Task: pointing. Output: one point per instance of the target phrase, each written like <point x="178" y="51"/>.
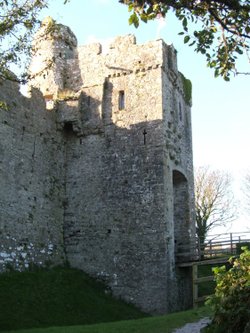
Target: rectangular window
<point x="121" y="102"/>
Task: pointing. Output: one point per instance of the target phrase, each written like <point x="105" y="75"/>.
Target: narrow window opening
<point x="68" y="129"/>
<point x="121" y="100"/>
<point x="180" y="112"/>
<point x="88" y="101"/>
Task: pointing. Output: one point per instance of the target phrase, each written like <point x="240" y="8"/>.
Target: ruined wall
<point x="31" y="182"/>
<point x="108" y="171"/>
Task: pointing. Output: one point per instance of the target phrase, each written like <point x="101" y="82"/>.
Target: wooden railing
<point x="217" y="250"/>
<point x="196" y="280"/>
<point x="226" y="245"/>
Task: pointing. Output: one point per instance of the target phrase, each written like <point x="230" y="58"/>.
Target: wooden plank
<point x="204" y="279"/>
<point x="195" y="285"/>
<point x="223" y="260"/>
<point x="213" y="261"/>
<point x="201" y="299"/>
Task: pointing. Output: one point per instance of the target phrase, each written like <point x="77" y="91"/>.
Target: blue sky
<point x="220" y="112"/>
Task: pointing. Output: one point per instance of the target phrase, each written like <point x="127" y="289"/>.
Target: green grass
<point x="68" y="301"/>
<point x="57" y="297"/>
<point x="162" y="324"/>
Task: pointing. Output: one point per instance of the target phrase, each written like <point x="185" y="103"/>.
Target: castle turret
<point x="53" y="45"/>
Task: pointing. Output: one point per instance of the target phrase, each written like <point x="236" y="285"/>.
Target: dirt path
<point x="193" y="327"/>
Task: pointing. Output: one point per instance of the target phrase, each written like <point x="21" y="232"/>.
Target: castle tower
<point x="52" y="46"/>
<point x="133" y="171"/>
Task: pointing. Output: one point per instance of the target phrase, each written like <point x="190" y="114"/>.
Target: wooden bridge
<point x="216" y="250"/>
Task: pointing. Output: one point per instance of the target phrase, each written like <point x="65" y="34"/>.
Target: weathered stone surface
<point x="31" y="182"/>
<point x="99" y="171"/>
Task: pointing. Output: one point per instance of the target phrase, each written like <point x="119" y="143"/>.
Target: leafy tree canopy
<point x="18" y="20"/>
<point x="220" y="29"/>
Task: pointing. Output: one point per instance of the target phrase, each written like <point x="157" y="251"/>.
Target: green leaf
<point x="144" y="17"/>
<point x="216" y="72"/>
<point x="238" y="50"/>
<point x="212" y="64"/>
<point x="191" y="44"/>
<point x="186" y="39"/>
<point x="134" y="20"/>
<point x="130" y="7"/>
<point x="184" y="22"/>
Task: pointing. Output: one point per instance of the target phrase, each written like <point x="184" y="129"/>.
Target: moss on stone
<point x="187" y="87"/>
<point x="4" y="106"/>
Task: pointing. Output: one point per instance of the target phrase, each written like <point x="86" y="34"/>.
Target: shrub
<point x="240" y="246"/>
<point x="231" y="302"/>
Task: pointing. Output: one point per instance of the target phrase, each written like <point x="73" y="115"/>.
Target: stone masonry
<point x="96" y="166"/>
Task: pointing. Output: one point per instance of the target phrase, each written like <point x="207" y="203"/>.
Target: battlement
<point x="58" y="63"/>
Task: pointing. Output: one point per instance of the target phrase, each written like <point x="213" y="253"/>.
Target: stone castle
<point x="96" y="166"/>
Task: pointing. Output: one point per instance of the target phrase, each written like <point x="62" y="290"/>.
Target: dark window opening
<point x="170" y="59"/>
<point x="89" y="100"/>
<point x="68" y="129"/>
<point x="121" y="100"/>
<point x="180" y="112"/>
<point x="181" y="210"/>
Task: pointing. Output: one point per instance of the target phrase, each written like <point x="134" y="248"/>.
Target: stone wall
<point x="31" y="182"/>
<point x="104" y="179"/>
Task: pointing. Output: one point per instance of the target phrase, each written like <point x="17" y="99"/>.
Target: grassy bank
<point x="57" y="297"/>
<point x="65" y="300"/>
<point x="162" y="324"/>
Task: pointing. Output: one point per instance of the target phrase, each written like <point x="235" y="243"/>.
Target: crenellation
<point x="96" y="166"/>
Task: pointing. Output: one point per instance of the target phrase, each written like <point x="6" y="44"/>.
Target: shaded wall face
<point x="178" y="152"/>
<point x="181" y="212"/>
<point x="31" y="183"/>
<point x="115" y="224"/>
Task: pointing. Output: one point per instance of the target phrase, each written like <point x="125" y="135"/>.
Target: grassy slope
<point x="162" y="324"/>
<point x="57" y="297"/>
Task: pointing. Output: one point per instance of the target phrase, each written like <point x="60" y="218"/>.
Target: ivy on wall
<point x="187" y="87"/>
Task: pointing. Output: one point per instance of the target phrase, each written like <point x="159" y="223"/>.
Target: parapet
<point x="59" y="64"/>
<point x="121" y="42"/>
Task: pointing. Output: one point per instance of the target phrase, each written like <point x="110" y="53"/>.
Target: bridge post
<point x="195" y="285"/>
<point x="231" y="242"/>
